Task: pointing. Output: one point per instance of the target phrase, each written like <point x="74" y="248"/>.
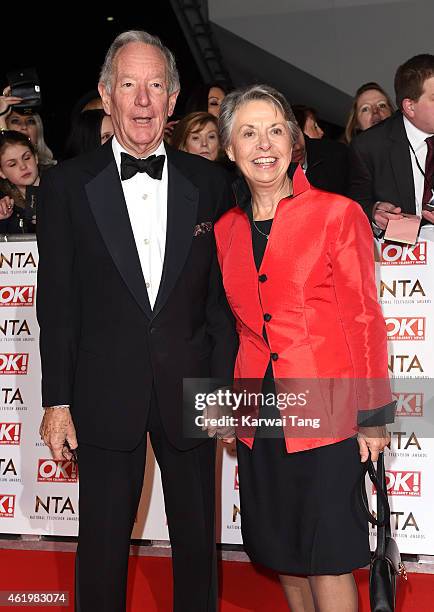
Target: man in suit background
<point x="324" y="162"/>
<point x="126" y="243"/>
<point x="392" y="163"/>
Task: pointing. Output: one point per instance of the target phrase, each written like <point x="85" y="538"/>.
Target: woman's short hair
<point x="239" y="97"/>
<point x="11" y="137"/>
<point x="132" y="36"/>
<point x="193" y="122"/>
<point x="411" y="76"/>
<point x="351" y="127"/>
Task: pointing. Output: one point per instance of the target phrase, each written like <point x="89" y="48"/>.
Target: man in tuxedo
<point x="325" y="162"/>
<point x="392" y="163"/>
<point x="130" y="302"/>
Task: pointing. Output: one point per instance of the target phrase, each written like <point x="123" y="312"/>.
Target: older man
<point x="130" y="302"/>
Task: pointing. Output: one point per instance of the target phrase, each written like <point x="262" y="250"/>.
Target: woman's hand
<point x="6" y="103"/>
<point x="6" y="207"/>
<point x="373" y="439"/>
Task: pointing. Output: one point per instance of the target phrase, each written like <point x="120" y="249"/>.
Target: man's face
<point x="421" y="112"/>
<point x="139" y="102"/>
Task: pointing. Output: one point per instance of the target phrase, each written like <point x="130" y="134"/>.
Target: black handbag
<point x="386" y="563"/>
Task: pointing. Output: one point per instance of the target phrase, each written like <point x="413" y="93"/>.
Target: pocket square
<point x="202" y="228"/>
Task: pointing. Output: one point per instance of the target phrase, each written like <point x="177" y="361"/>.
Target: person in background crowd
<point x="207" y="98"/>
<point x="19" y="173"/>
<point x="392" y="165"/>
<point x="307" y="120"/>
<point x="197" y="133"/>
<point x="371" y="105"/>
<point x="325" y="162"/>
<point x="90" y="129"/>
<point x="27" y="122"/>
<point x="298" y="271"/>
<point x="129" y="206"/>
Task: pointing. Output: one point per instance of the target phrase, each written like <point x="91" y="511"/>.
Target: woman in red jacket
<point x="298" y="270"/>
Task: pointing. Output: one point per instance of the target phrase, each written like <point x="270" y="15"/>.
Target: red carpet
<point x="242" y="589"/>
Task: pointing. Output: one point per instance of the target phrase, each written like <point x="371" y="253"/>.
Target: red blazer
<point x="317" y="283"/>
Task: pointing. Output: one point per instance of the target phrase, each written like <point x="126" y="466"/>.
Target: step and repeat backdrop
<point x="40" y="496"/>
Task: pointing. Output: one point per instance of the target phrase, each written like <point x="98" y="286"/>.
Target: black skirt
<point x="301" y="512"/>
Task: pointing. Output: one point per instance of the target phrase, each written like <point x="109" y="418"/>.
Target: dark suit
<point x="380" y="167"/>
<point x="120" y="365"/>
<point x="327" y="164"/>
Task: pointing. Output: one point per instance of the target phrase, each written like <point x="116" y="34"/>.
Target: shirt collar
<point x="118" y="149"/>
<point x="415" y="136"/>
<point x="295" y="172"/>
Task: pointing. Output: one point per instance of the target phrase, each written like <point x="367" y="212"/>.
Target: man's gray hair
<point x="131" y="36"/>
<point x="237" y="98"/>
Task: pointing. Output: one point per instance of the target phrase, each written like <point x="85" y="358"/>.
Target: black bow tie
<point x="152" y="165"/>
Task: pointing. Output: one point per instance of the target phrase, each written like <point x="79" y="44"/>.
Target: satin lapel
<point x="108" y="206"/>
<point x="401" y="165"/>
<point x="182" y="204"/>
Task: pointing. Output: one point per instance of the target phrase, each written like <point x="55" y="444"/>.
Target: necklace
<point x="258" y="230"/>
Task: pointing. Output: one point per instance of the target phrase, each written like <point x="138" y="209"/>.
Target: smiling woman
<point x="298" y="271"/>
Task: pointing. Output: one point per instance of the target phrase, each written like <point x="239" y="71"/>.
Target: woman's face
<point x="372" y="107"/>
<point x="19" y="166"/>
<point x="106" y="129"/>
<point x="26" y="124"/>
<point x="311" y="127"/>
<point x="204" y="142"/>
<point x="261" y="143"/>
<point x="215" y="98"/>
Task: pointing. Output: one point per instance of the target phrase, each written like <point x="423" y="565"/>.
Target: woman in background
<point x="90" y="129"/>
<point x="371" y="105"/>
<point x="20" y="176"/>
<point x="307" y="120"/>
<point x="28" y="123"/>
<point x="197" y="133"/>
<point x="207" y="98"/>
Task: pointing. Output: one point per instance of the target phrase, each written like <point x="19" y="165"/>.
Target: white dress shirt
<point x="417" y="139"/>
<point x="146" y="200"/>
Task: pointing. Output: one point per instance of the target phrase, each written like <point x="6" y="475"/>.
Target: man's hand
<point x="373" y="439"/>
<point x="6" y="207"/>
<point x="429" y="216"/>
<point x="383" y="212"/>
<point x="56" y="429"/>
<point x="213" y="413"/>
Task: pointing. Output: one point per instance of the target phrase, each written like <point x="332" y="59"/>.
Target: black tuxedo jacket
<point x="327" y="164"/>
<point x="103" y="350"/>
<point x="380" y="167"/>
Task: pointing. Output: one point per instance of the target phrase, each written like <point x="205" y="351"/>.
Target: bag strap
<point x="382" y="521"/>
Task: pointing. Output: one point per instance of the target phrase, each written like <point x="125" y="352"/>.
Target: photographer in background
<point x="20" y="179"/>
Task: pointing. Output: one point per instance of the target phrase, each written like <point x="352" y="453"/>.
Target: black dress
<point x="300" y="512"/>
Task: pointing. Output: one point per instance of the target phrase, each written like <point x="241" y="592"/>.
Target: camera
<point x="25" y="84"/>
